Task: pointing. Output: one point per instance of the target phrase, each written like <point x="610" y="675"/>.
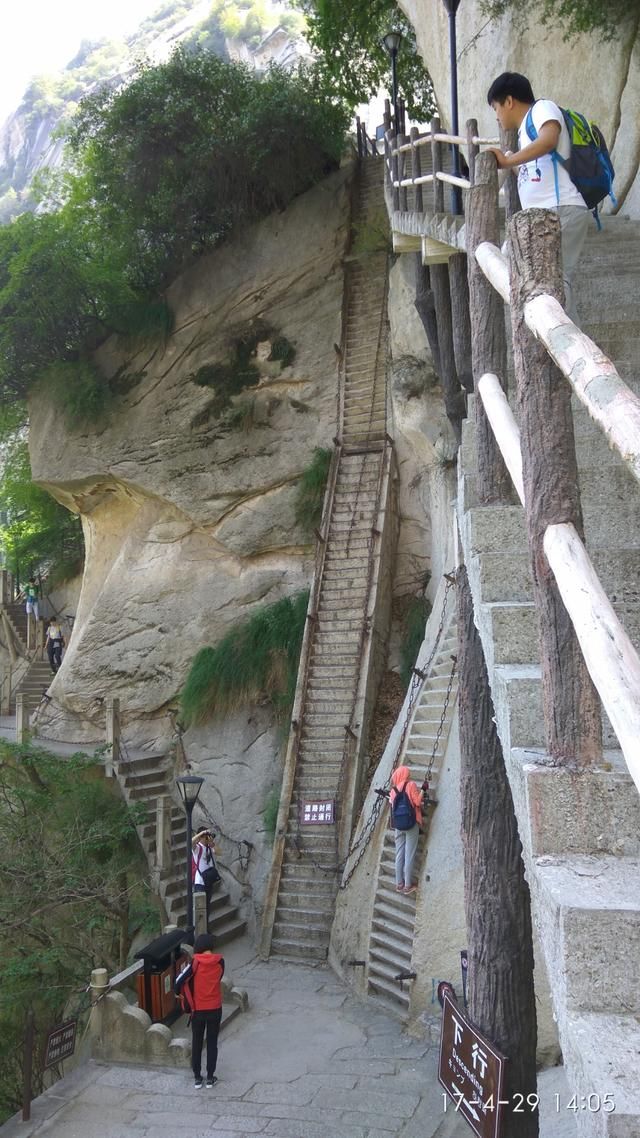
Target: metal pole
<point x="28" y="1065"/>
<point x="190" y="924"/>
<point x="456" y="192"/>
<point x="394" y="90"/>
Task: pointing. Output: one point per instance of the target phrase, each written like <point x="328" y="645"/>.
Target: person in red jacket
<point x="200" y="982"/>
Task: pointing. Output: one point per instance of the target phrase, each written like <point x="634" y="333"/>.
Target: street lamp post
<point x="189" y="786"/>
<point x="452" y="8"/>
<point x="392" y="42"/>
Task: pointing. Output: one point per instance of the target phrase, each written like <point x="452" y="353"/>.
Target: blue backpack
<point x="403" y="814"/>
<point x="589" y="165"/>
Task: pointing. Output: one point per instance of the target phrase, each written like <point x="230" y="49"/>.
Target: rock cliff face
<point x="601" y="80"/>
<point x="188" y="513"/>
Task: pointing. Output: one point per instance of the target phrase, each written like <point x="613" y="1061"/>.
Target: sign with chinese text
<point x="61" y="1043"/>
<point x="471" y="1071"/>
<point x="318" y="813"/>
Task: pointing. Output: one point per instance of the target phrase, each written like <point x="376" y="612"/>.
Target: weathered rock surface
<point x="600" y="79"/>
<point x="188" y="520"/>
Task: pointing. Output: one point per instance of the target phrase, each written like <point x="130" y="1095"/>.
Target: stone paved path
<point x="308" y="1061"/>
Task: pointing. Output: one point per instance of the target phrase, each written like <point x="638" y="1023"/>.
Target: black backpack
<point x="403" y="814"/>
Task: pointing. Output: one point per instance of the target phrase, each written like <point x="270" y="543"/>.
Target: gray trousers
<point x="574" y="225"/>
<point x="406" y="846"/>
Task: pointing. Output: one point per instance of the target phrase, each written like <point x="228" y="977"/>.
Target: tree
<point x="349" y="39"/>
<point x="607" y="18"/>
<point x="73" y="893"/>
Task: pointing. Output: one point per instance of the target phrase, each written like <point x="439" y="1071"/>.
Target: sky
<point x="43" y="35"/>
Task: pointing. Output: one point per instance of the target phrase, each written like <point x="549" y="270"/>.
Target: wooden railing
<point x="403" y="159"/>
<point x="543" y="469"/>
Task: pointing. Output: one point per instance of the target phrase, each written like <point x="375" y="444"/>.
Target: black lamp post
<point x="452" y="8"/>
<point x="392" y="42"/>
<point x="189" y="786"/>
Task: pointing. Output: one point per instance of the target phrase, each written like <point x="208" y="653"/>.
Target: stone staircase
<point x="37" y="677"/>
<point x="143" y="780"/>
<point x="306" y="878"/>
<point x="580" y="833"/>
<point x="393" y="921"/>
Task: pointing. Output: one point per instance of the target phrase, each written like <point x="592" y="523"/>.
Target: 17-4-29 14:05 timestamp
<point x="520" y="1104"/>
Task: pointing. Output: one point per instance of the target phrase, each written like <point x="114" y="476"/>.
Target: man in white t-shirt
<point x="543" y="183"/>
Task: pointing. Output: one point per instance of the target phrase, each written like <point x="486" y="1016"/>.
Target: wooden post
<point x="200" y="913"/>
<point x="460" y="318"/>
<point x="436" y="160"/>
<point x="426" y="309"/>
<point x="386" y="118"/>
<point x="358" y="136"/>
<point x="509" y="141"/>
<point x="416" y="169"/>
<point x="454" y="401"/>
<point x="550" y="475"/>
<point x="27" y="1071"/>
<point x="98" y="987"/>
<point x="497" y="901"/>
<point x="163" y="832"/>
<point x="488" y="339"/>
<point x="112" y="754"/>
<point x="403" y="171"/>
<point x="30" y="631"/>
<point x="8" y="631"/>
<point x="395" y="192"/>
<point x="21" y="718"/>
<point x="5" y="599"/>
<point x="473" y="149"/>
<point x="5" y="692"/>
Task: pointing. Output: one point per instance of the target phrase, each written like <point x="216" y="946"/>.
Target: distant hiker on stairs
<point x="31" y="599"/>
<point x="54" y="645"/>
<point x="406" y="818"/>
<point x="204" y="871"/>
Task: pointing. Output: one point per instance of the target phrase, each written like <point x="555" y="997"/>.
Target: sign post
<point x="61" y="1043"/>
<point x="471" y="1071"/>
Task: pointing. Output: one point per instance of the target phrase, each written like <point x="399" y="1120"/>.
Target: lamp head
<point x="451" y="6"/>
<point x="392" y="42"/>
<point x="189" y="786"/>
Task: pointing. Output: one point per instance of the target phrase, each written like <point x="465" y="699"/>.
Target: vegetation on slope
<point x="256" y="661"/>
<point x="607" y="18"/>
<point x="311" y="490"/>
<point x="73" y="894"/>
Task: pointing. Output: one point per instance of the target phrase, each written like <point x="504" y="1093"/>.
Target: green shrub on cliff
<point x="607" y="18"/>
<point x="256" y="660"/>
<point x="311" y="490"/>
<point x="163" y="170"/>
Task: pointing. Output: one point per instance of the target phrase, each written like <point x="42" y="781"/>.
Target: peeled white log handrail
<point x="594" y="378"/>
<point x="504" y="427"/>
<point x="612" y="661"/>
<point x="454" y="139"/>
<point x="453" y="180"/>
<point x="495" y="267"/>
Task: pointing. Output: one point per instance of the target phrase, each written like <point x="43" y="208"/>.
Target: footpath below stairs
<point x="309" y="1060"/>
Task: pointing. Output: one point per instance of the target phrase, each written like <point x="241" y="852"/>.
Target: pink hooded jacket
<point x="401" y="778"/>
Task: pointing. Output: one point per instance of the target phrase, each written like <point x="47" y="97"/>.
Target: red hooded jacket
<point x="208" y="970"/>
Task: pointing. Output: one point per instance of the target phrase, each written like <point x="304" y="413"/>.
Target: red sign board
<point x="61" y="1043"/>
<point x="471" y="1071"/>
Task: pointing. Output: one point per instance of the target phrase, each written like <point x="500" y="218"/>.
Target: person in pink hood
<point x="406" y="818"/>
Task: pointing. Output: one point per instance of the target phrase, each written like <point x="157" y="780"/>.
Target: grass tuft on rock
<point x="311" y="490"/>
<point x="256" y="661"/>
<point x="413" y="629"/>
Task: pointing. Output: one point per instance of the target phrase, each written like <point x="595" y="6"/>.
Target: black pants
<point x="201" y="1021"/>
<point x="54" y="652"/>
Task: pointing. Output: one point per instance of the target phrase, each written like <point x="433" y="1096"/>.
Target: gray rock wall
<point x="600" y="79"/>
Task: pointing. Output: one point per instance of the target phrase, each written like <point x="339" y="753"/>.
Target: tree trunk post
<point x="403" y="171"/>
<point x="550" y="473"/>
<point x="496" y="894"/>
<point x="393" y="171"/>
<point x="461" y="321"/>
<point x="163" y="832"/>
<point x="112" y="753"/>
<point x="509" y="141"/>
<point x="436" y="161"/>
<point x="416" y="170"/>
<point x="98" y="986"/>
<point x="386" y="118"/>
<point x="5" y="691"/>
<point x="425" y="307"/>
<point x="21" y="718"/>
<point x="454" y="401"/>
<point x="200" y="913"/>
<point x="488" y="339"/>
<point x="473" y="149"/>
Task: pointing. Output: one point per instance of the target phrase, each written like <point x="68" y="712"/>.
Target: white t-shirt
<point x="536" y="179"/>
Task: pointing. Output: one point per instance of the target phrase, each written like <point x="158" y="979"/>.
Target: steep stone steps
<point x="307" y="879"/>
<point x="392" y="927"/>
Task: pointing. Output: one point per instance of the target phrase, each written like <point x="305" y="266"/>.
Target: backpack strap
<point x="532" y="134"/>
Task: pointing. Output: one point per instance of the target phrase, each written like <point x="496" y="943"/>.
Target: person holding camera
<point x="204" y="871"/>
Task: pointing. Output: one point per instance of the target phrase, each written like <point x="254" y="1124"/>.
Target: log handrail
<point x="612" y="660"/>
